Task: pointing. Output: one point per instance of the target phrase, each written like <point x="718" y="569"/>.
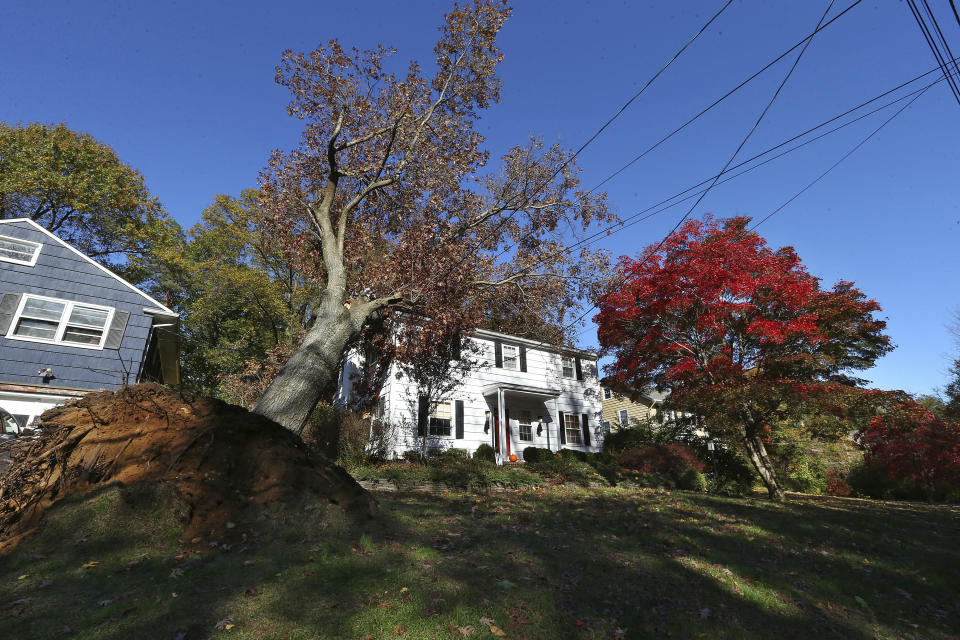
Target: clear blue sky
<point x="184" y="92"/>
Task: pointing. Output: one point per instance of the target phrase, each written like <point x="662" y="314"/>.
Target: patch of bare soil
<point x="220" y="458"/>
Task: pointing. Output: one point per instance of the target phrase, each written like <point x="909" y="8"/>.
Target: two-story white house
<point x="522" y="394"/>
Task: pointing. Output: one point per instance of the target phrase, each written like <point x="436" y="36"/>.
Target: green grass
<point x="560" y="562"/>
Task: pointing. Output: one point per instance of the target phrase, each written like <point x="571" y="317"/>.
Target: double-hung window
<point x="511" y="358"/>
<point x="607" y="393"/>
<point x="569" y="368"/>
<point x="441" y="419"/>
<point x="19" y="251"/>
<point x="41" y="319"/>
<point x="571" y="423"/>
<point x="525" y="424"/>
<point x="624" y="418"/>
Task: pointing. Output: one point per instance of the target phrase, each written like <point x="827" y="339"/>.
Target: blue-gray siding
<point x="61" y="273"/>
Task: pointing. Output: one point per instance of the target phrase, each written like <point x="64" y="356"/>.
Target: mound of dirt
<point x="221" y="459"/>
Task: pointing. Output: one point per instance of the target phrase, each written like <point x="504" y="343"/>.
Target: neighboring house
<point x="620" y="411"/>
<point x="69" y="326"/>
<point x="522" y="394"/>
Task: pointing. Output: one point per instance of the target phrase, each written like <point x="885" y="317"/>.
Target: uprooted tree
<point x="742" y="336"/>
<point x="387" y="202"/>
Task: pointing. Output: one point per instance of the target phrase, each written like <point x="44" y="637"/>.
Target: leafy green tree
<point x="245" y="304"/>
<point x="77" y="187"/>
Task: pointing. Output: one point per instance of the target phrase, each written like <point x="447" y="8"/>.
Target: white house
<point x="523" y="394"/>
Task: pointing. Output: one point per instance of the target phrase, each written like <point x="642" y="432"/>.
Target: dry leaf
<point x="466" y="632"/>
<point x="486" y="621"/>
<point x="400" y="629"/>
<point x="91" y="564"/>
<point x="497" y="631"/>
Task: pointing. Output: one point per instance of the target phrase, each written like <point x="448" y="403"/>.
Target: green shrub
<point x="616" y="442"/>
<point x="536" y="454"/>
<point x="807" y="476"/>
<point x="485" y="452"/>
<point x="871" y="481"/>
<point x="573" y="454"/>
<point x="412" y="455"/>
<point x="455" y="455"/>
<point x="693" y="480"/>
<point x="567" y="469"/>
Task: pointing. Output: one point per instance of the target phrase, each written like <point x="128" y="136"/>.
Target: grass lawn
<point x="534" y="563"/>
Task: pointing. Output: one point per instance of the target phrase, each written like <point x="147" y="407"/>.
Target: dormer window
<point x="19" y="251"/>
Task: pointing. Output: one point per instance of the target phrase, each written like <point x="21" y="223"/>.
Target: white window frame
<point x="64" y="321"/>
<point x="433" y="416"/>
<point x="574" y="433"/>
<point x="607" y="393"/>
<point x="623" y="417"/>
<point x="29" y="263"/>
<point x="573" y="367"/>
<point x="515" y="357"/>
<point x="606" y="426"/>
<point x="525" y="423"/>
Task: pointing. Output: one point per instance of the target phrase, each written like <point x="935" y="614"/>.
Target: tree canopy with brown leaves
<point x="389" y="204"/>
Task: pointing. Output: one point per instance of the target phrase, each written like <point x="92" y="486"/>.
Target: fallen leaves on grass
<point x="400" y="629"/>
<point x="91" y="564"/>
<point x="497" y="631"/>
<point x="225" y="625"/>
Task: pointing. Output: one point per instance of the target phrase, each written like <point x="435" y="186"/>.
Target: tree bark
<point x="296" y="390"/>
<point x="761" y="461"/>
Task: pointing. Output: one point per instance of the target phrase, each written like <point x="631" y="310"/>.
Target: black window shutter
<point x="586" y="429"/>
<point x="459" y="418"/>
<point x="422" y="416"/>
<point x="456" y="351"/>
<point x="562" y="430"/>
<point x="117" y="327"/>
<point x="498" y="354"/>
<point x="523" y="358"/>
<point x="8" y="308"/>
<point x="576" y="362"/>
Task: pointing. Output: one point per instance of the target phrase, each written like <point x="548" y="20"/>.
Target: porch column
<point x="501" y="426"/>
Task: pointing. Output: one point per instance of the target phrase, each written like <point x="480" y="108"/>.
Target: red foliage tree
<point x="388" y="205"/>
<point x="914" y="446"/>
<point x="741" y="335"/>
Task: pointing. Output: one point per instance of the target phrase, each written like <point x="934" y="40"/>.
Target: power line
<point x="943" y="39"/>
<point x="803" y="42"/>
<point x="728" y="163"/>
<point x="842" y="158"/>
<point x="934" y="48"/>
<point x="620" y="226"/>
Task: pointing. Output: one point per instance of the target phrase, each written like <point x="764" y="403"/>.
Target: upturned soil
<point x="220" y="459"/>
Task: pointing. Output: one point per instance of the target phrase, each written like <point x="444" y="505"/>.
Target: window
<point x="571" y="423"/>
<point x="569" y="369"/>
<point x="60" y="321"/>
<point x="440" y="420"/>
<point x="526" y="426"/>
<point x="19" y="251"/>
<point x="510" y="357"/>
<point x="607" y="394"/>
<point x="624" y="418"/>
<point x="606" y="426"/>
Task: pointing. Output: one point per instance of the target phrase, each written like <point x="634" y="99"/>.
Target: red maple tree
<point x="913" y="445"/>
<point x="742" y="335"/>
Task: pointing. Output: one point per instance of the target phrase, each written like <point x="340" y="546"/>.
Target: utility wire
<point x="956" y="14"/>
<point x="943" y="40"/>
<point x="933" y="47"/>
<point x="803" y="42"/>
<point x="617" y="227"/>
<point x="725" y="167"/>
<point x="842" y="158"/>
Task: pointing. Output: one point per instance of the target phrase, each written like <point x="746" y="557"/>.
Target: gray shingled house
<point x="69" y="326"/>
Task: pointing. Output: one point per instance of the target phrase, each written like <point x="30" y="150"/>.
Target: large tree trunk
<point x="761" y="461"/>
<point x="294" y="393"/>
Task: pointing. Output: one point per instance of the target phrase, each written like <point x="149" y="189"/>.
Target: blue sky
<point x="184" y="92"/>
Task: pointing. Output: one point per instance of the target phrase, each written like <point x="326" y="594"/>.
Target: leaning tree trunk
<point x="294" y="393"/>
<point x="761" y="461"/>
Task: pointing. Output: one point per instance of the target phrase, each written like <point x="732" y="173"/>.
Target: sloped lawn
<point x="537" y="563"/>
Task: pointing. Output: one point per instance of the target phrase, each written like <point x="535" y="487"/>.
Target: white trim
<point x="623" y="417"/>
<point x="69" y="305"/>
<point x="515" y="357"/>
<point x="487" y="334"/>
<point x="28" y="263"/>
<point x="573" y="367"/>
<point x="164" y="308"/>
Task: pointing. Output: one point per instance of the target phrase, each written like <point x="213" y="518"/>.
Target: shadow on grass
<point x="544" y="563"/>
